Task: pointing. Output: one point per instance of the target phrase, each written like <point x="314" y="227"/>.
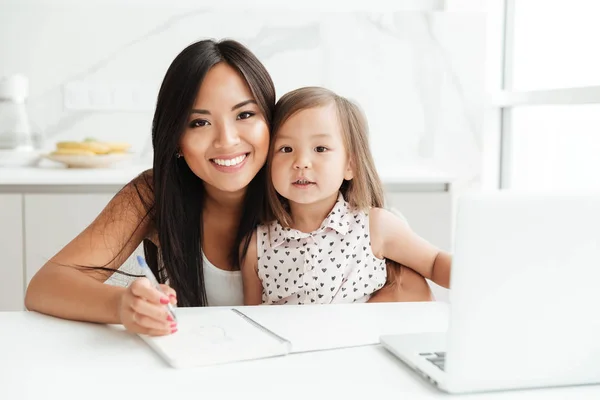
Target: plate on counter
<point x="89" y="161"/>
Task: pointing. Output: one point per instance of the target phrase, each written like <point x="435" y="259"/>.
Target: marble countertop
<point x="69" y="176"/>
<point x="118" y="176"/>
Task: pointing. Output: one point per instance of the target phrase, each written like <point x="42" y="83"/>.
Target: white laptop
<point x="524" y="299"/>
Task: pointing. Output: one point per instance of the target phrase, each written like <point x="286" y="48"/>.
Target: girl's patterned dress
<point x="334" y="264"/>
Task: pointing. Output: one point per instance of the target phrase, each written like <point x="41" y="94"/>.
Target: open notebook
<point x="209" y="335"/>
<point x="216" y="336"/>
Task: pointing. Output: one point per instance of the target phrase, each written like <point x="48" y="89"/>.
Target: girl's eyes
<point x="288" y="149"/>
<point x="199" y="123"/>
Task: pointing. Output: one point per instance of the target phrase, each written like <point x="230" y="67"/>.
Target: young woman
<point x="210" y="135"/>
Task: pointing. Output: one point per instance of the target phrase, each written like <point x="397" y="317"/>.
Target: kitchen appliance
<point x="19" y="140"/>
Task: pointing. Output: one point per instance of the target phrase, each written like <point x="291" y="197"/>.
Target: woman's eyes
<point x="245" y="115"/>
<point x="320" y="149"/>
<point x="285" y="149"/>
<point x="199" y="123"/>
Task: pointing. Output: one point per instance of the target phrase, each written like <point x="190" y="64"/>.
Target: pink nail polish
<point x="174" y="325"/>
<point x="164" y="300"/>
<point x="174" y="330"/>
<point x="169" y="318"/>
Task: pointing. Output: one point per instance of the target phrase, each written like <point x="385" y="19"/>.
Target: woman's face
<point x="226" y="140"/>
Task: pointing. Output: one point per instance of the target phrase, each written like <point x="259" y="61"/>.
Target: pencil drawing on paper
<point x="210" y="334"/>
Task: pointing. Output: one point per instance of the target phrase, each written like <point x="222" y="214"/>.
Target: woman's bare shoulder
<point x="139" y="191"/>
<point x="136" y="198"/>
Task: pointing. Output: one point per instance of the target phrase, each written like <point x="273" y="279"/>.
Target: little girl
<point x="328" y="236"/>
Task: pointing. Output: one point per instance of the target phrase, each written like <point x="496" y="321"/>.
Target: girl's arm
<point x="403" y="284"/>
<point x="252" y="284"/>
<point x="64" y="289"/>
<point x="392" y="238"/>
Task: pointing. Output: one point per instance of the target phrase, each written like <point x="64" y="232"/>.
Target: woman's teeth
<point x="231" y="162"/>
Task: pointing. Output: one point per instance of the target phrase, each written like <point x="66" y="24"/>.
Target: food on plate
<point x="90" y="147"/>
<point x="73" y="151"/>
<point x="117" y="147"/>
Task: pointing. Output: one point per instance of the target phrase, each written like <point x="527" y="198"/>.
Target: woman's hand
<point x="142" y="309"/>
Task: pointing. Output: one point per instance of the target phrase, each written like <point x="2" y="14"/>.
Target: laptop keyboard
<point x="436" y="358"/>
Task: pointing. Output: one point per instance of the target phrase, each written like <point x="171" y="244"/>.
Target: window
<point x="555" y="44"/>
<point x="548" y="99"/>
<point x="556" y="146"/>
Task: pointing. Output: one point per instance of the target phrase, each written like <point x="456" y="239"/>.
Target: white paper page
<point x="214" y="336"/>
<point x="321" y="327"/>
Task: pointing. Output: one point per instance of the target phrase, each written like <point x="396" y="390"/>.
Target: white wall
<point x="417" y="74"/>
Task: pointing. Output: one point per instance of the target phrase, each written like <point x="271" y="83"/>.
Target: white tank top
<point x="223" y="288"/>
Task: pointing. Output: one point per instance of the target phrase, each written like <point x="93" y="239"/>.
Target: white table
<point x="43" y="357"/>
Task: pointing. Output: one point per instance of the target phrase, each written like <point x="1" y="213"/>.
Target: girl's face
<point x="310" y="161"/>
<point x="226" y="139"/>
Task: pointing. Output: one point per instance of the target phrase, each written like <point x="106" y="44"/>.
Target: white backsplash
<point x="418" y="75"/>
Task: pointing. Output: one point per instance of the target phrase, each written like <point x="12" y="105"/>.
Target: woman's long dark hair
<point x="178" y="194"/>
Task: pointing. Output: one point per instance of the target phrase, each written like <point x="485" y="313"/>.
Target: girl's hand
<point x="142" y="309"/>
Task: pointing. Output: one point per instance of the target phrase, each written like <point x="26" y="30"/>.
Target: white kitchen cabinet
<point x="429" y="214"/>
<point x="53" y="220"/>
<point x="11" y="249"/>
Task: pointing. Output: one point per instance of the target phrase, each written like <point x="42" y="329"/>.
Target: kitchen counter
<point x="72" y="180"/>
<point x="61" y="179"/>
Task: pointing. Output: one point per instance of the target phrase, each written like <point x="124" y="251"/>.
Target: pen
<point x="154" y="282"/>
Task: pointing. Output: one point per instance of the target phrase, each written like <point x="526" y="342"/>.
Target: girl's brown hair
<point x="365" y="189"/>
